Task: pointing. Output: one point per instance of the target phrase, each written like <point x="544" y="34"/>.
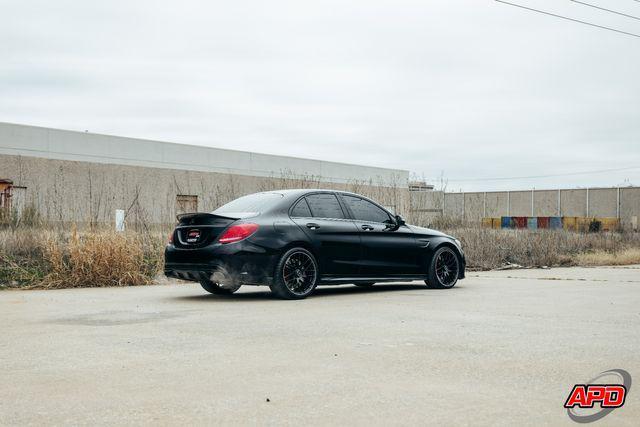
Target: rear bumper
<point x="236" y="263"/>
<point x="189" y="271"/>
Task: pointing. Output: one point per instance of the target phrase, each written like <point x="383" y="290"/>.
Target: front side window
<point x="325" y="206"/>
<point x="364" y="210"/>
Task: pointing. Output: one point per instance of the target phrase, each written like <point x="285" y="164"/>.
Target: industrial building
<point x="83" y="177"/>
<point x="67" y="176"/>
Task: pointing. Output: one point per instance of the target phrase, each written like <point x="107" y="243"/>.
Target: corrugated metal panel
<point x="532" y="223"/>
<point x="521" y="221"/>
<point x="506" y="222"/>
<point x="491" y="222"/>
<point x="543" y="222"/>
<point x="609" y="224"/>
<point x="582" y="223"/>
<point x="555" y="223"/>
<point x="569" y="223"/>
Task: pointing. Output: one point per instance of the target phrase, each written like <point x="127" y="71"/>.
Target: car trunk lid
<point x="196" y="230"/>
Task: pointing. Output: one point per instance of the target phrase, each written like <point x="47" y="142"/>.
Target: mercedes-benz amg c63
<point x="295" y="240"/>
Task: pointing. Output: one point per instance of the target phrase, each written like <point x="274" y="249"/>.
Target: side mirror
<point x="399" y="221"/>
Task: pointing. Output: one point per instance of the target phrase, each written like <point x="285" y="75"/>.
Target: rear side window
<point x="301" y="209"/>
<point x="325" y="206"/>
<point x="364" y="210"/>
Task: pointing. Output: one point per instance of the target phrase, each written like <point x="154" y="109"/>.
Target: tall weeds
<point x="487" y="249"/>
<point x="97" y="259"/>
<point x="59" y="259"/>
<point x="38" y="257"/>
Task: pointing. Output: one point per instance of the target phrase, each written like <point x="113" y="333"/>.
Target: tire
<point x="215" y="288"/>
<point x="444" y="269"/>
<point x="296" y="274"/>
<point x="365" y="284"/>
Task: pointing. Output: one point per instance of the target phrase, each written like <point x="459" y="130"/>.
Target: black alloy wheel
<point x="296" y="274"/>
<point x="444" y="269"/>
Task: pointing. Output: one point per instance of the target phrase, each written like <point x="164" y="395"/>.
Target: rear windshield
<point x="251" y="204"/>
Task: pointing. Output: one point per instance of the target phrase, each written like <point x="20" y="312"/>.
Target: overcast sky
<point x="468" y="90"/>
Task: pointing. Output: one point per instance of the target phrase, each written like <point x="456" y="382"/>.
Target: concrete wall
<point x="594" y="202"/>
<point x="603" y="202"/>
<point x="496" y="203"/>
<point x="82" y="177"/>
<point x="72" y="191"/>
<point x="545" y="203"/>
<point x="473" y="206"/>
<point x="629" y="205"/>
<point x="520" y="203"/>
<point x="75" y="176"/>
<point x="573" y="203"/>
<point x="454" y="205"/>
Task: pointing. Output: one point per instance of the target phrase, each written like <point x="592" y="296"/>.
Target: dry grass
<point x="41" y="258"/>
<point x="627" y="256"/>
<point x="21" y="257"/>
<point x="97" y="259"/>
<point x="37" y="257"/>
<point x="487" y="249"/>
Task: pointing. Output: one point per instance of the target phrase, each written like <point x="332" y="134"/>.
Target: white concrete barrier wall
<point x="613" y="202"/>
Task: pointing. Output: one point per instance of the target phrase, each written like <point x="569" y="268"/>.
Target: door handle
<point x="313" y="226"/>
<point x="367" y="227"/>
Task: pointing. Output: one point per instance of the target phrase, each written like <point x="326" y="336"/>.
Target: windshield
<point x="251" y="204"/>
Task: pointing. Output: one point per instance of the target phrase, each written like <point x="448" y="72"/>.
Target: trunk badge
<point x="193" y="236"/>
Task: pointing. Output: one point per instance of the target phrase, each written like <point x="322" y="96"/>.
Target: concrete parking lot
<point x="505" y="347"/>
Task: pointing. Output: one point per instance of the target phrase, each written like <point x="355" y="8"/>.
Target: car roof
<point x="292" y="193"/>
<point x="300" y="191"/>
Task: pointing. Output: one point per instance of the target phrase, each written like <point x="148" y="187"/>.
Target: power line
<point x="543" y="176"/>
<point x="569" y="19"/>
<point x="605" y="9"/>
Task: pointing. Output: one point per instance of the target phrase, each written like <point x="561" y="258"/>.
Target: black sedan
<point x="294" y="240"/>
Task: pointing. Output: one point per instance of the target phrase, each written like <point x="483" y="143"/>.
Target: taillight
<point x="235" y="233"/>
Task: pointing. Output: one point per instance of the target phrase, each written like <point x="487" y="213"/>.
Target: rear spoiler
<point x="192" y="215"/>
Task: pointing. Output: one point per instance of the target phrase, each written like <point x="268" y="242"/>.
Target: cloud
<point x="462" y="88"/>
